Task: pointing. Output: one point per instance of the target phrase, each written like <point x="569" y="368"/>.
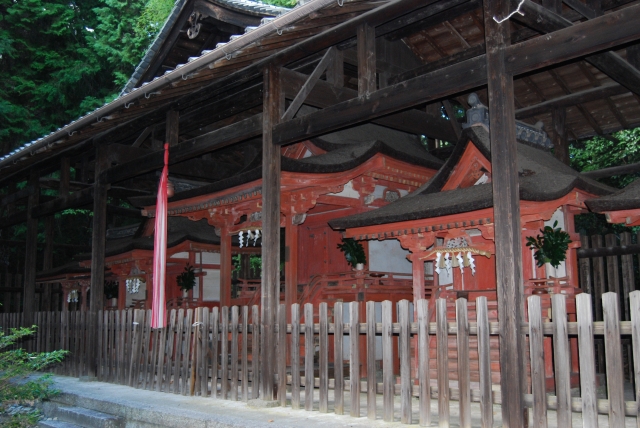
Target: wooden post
<point x="270" y="290"/>
<point x="47" y="263"/>
<point x="506" y="210"/>
<point x="97" y="258"/>
<point x="560" y="143"/>
<point x="225" y="266"/>
<point x="366" y="60"/>
<point x="172" y="128"/>
<point x="31" y="251"/>
<point x="290" y="263"/>
<point x="417" y="272"/>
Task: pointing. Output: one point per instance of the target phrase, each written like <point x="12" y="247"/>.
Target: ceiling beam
<point x="411" y="121"/>
<point x="572" y="99"/>
<point x="610" y="63"/>
<point x="562" y="45"/>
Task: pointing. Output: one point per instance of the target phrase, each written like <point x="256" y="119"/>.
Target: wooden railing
<point x="213" y="353"/>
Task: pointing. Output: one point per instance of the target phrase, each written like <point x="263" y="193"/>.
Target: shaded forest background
<point x="61" y="59"/>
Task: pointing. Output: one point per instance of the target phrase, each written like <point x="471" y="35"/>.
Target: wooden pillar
<point x="122" y="293"/>
<point x="272" y="110"/>
<point x="506" y="207"/>
<point x="560" y="143"/>
<point x="225" y="266"/>
<point x="172" y="128"/>
<point x="366" y="60"/>
<point x="47" y="263"/>
<point x="291" y="264"/>
<point x="31" y="251"/>
<point x="417" y="271"/>
<point x="98" y="241"/>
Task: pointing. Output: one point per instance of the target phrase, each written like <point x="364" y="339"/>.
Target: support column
<point x="417" y="274"/>
<point x="225" y="266"/>
<point x="560" y="143"/>
<point x="122" y="293"/>
<point x="272" y="110"/>
<point x="31" y="251"/>
<point x="506" y="207"/>
<point x="48" y="261"/>
<point x="366" y="60"/>
<point x="290" y="263"/>
<point x="98" y="241"/>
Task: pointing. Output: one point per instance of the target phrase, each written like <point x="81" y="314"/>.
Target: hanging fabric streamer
<point x="158" y="305"/>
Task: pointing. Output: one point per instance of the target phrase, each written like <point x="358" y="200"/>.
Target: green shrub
<point x="17" y="385"/>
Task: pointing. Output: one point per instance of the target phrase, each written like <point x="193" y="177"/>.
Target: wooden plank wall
<point x="213" y="353"/>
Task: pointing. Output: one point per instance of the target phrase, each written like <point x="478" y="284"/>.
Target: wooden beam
<point x="572" y="99"/>
<point x="506" y="208"/>
<point x="124" y="212"/>
<point x="295" y="105"/>
<point x="13" y="219"/>
<point x="411" y="121"/>
<point x="142" y="137"/>
<point x="31" y="252"/>
<point x="239" y="131"/>
<point x="366" y="59"/>
<point x="579" y="7"/>
<point x="17" y="196"/>
<point x="610" y="63"/>
<point x="435" y="14"/>
<point x="270" y="290"/>
<point x="98" y="242"/>
<point x="563" y="45"/>
<point x="73" y="200"/>
<point x="614" y="170"/>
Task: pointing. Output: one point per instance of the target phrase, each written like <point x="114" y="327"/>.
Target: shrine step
<point x="87" y="417"/>
<point x="51" y="423"/>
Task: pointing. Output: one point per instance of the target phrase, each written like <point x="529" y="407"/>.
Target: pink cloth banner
<point x="159" y="304"/>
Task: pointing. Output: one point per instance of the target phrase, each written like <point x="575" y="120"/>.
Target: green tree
<point x="599" y="152"/>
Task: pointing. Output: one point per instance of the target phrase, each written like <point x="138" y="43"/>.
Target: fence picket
<point x="536" y="355"/>
<point x="443" y="362"/>
<point x="153" y="361"/>
<point x="404" y="353"/>
<point x="354" y="359"/>
<point x="234" y="353"/>
<point x="324" y="359"/>
<point x="635" y="339"/>
<point x="224" y="352"/>
<point x="484" y="362"/>
<point x="371" y="360"/>
<point x="613" y="355"/>
<point x="121" y="319"/>
<point x="295" y="356"/>
<point x="144" y="370"/>
<point x="178" y="351"/>
<point x="464" y="382"/>
<point x="111" y="351"/>
<point x="338" y="360"/>
<point x="388" y="378"/>
<point x="171" y="327"/>
<point x="135" y="347"/>
<point x="308" y="357"/>
<point x="282" y="354"/>
<point x="215" y="338"/>
<point x="587" y="361"/>
<point x="244" y="368"/>
<point x="255" y="349"/>
<point x="561" y="359"/>
<point x="187" y="345"/>
<point x="423" y="366"/>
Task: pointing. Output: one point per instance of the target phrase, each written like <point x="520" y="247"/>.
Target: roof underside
<point x="228" y="88"/>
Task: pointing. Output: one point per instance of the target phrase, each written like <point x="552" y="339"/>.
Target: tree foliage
<point x="599" y="152"/>
<point x="60" y="59"/>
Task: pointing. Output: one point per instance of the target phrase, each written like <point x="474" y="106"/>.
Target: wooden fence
<point x="215" y="353"/>
<point x="615" y="273"/>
